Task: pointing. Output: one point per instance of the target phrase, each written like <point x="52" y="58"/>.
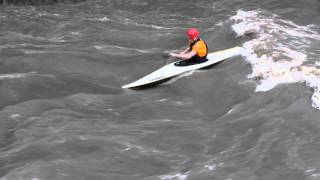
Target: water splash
<point x="280" y="52"/>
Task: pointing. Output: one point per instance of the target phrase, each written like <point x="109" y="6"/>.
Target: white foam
<point x="316" y="100"/>
<point x="103" y="19"/>
<point x="210" y="167"/>
<point x="22" y="75"/>
<point x="13" y="76"/>
<point x="178" y="176"/>
<point x="112" y="49"/>
<point x="279" y="51"/>
<point x="57" y="39"/>
<point x="153" y="26"/>
<point x="243" y="28"/>
<point x="34" y="52"/>
<point x="15" y="116"/>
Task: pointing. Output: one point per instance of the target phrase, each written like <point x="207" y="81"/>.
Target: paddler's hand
<point x="173" y="54"/>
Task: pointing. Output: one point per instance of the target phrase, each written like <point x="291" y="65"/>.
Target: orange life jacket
<point x="201" y="48"/>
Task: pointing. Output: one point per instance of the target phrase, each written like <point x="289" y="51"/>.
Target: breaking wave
<point x="280" y="51"/>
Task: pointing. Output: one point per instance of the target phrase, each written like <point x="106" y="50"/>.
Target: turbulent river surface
<point x="64" y="115"/>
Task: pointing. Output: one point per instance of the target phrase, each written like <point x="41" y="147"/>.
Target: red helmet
<point x="192" y="33"/>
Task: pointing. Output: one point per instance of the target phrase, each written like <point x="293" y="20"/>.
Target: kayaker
<point x="195" y="53"/>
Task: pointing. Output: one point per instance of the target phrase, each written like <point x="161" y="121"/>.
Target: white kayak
<point x="170" y="70"/>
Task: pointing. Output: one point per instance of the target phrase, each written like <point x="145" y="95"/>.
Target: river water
<point x="64" y="114"/>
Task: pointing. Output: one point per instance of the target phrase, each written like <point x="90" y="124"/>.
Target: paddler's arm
<point x="184" y="55"/>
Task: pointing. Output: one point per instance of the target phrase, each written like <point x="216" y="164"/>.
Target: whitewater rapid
<point x="280" y="51"/>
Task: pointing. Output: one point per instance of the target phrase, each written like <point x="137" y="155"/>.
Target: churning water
<point x="252" y="117"/>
